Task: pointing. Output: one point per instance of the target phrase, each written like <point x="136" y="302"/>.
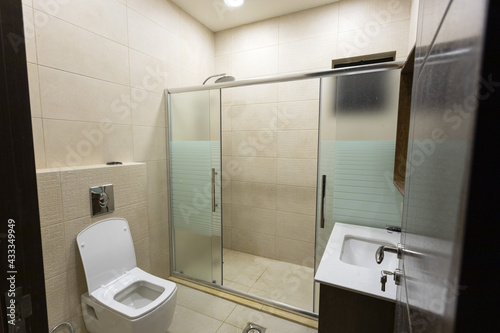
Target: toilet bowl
<point x="121" y="297"/>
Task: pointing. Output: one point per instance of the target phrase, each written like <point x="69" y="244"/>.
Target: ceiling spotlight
<point x="234" y="3"/>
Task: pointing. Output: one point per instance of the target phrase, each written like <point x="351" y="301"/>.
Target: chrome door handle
<point x="213" y="190"/>
<point x="323" y="188"/>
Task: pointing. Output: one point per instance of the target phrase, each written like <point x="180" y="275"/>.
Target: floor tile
<point x="204" y="303"/>
<point x="187" y="321"/>
<point x="244" y="268"/>
<point x="242" y="315"/>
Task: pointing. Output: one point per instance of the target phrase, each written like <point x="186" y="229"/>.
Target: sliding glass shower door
<point x="195" y="196"/>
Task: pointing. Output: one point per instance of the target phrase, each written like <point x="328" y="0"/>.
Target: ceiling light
<point x="234" y="3"/>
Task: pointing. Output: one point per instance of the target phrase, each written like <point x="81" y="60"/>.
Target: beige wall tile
<point x="142" y="254"/>
<point x="34" y="87"/>
<point x="267" y="93"/>
<point x="298" y="90"/>
<point x="49" y="198"/>
<point x="256" y="35"/>
<point x="158" y="209"/>
<point x="298" y="115"/>
<point x="296" y="199"/>
<point x="255" y="143"/>
<point x="75" y="143"/>
<point x="137" y="218"/>
<point x="227" y="242"/>
<point x="224" y="42"/>
<point x="294" y="251"/>
<point x="227" y="215"/>
<point x="258" y="220"/>
<point x="296" y="226"/>
<point x="223" y="64"/>
<point x="254" y="194"/>
<point x="148" y="108"/>
<point x="255" y="169"/>
<point x="77" y="285"/>
<point x="149" y="143"/>
<point x="308" y="54"/>
<point x="364" y="14"/>
<point x="151" y="38"/>
<point x="227" y="143"/>
<point x="254" y="116"/>
<point x="29" y="34"/>
<point x="298" y="172"/>
<point x="75" y="97"/>
<point x="151" y="74"/>
<point x="158" y="240"/>
<point x="160" y="266"/>
<point x="72" y="229"/>
<point x="38" y="143"/>
<point x="57" y="299"/>
<point x="258" y="244"/>
<point x="309" y="23"/>
<point x="164" y="13"/>
<point x="54" y="255"/>
<point x="255" y="63"/>
<point x="105" y="18"/>
<point x="389" y="37"/>
<point x="299" y="144"/>
<point x="64" y="46"/>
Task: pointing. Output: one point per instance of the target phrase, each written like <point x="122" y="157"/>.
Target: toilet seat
<point x="106" y="294"/>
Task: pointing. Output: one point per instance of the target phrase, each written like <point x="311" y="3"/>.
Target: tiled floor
<point x="276" y="280"/>
<point x="197" y="311"/>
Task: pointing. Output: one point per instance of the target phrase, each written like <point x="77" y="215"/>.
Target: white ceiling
<point x="217" y="16"/>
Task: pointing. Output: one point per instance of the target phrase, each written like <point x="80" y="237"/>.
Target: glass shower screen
<point x="195" y="168"/>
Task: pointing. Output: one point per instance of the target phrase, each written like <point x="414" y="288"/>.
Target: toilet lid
<point x="107" y="251"/>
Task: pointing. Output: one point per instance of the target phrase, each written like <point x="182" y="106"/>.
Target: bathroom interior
<point x="230" y="187"/>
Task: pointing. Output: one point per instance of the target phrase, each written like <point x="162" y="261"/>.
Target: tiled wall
<point x="65" y="212"/>
<point x="97" y="70"/>
<point x="269" y="205"/>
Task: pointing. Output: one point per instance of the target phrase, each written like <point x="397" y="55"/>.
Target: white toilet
<point x="121" y="297"/>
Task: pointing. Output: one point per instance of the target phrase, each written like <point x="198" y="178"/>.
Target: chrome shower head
<point x="223" y="78"/>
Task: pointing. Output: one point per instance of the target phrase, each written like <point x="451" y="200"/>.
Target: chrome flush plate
<point x="102" y="200"/>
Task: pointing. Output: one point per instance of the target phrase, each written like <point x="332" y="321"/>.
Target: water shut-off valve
<point x="396" y="275"/>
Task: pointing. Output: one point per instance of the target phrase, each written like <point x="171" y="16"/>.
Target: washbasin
<point x="349" y="260"/>
<point x="360" y="251"/>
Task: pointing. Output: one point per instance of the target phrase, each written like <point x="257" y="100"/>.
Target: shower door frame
<point x="362" y="69"/>
<point x="216" y="241"/>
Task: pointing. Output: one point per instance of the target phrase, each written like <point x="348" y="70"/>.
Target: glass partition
<point x="195" y="199"/>
<point x="357" y="137"/>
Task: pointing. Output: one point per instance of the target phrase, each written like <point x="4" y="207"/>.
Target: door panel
<point x="194" y="124"/>
<point x="442" y="123"/>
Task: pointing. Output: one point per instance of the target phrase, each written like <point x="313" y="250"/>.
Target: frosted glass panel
<point x="358" y="122"/>
<point x="194" y="153"/>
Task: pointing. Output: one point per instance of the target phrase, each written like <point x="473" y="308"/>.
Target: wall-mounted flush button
<point x="102" y="200"/>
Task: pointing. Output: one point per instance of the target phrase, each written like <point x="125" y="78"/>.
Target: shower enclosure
<point x="261" y="169"/>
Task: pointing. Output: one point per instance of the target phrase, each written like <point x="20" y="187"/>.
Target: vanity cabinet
<point x="344" y="311"/>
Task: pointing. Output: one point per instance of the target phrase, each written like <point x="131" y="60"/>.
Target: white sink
<point x="349" y="260"/>
<point x="361" y="252"/>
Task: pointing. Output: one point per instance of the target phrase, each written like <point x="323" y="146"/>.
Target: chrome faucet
<point x="379" y="255"/>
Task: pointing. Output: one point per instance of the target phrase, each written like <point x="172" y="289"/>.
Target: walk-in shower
<point x="261" y="169"/>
